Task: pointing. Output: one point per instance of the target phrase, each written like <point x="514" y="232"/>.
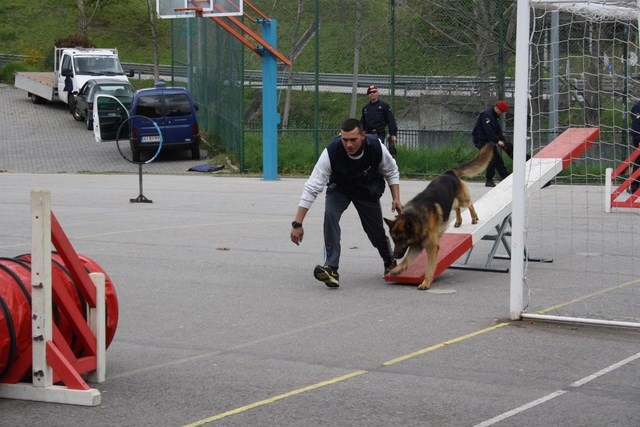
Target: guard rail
<point x="401" y="83"/>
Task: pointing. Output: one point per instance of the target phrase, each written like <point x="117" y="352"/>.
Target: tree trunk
<point x="297" y="46"/>
<point x="486" y="57"/>
<point x="84" y="20"/>
<point x="356" y="58"/>
<point x="287" y="101"/>
<point x="154" y="39"/>
<point x="592" y="80"/>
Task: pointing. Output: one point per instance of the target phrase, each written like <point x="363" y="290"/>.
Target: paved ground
<point x="222" y="323"/>
<point x="46" y="139"/>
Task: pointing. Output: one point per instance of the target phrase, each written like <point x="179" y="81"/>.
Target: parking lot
<point x="46" y="139"/>
<point x="222" y="323"/>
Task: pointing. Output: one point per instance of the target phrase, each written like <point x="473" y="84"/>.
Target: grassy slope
<point x="27" y="29"/>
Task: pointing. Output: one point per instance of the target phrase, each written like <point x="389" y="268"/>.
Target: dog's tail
<point x="477" y="164"/>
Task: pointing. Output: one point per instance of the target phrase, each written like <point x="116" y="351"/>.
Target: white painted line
<point x="605" y="370"/>
<point x="522" y="408"/>
<point x="555" y="394"/>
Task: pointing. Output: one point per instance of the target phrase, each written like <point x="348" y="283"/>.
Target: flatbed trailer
<point x="40" y="86"/>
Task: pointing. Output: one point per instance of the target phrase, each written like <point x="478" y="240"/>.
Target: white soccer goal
<point x="576" y="66"/>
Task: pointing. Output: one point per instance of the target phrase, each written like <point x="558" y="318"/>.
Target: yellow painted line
<point x="339" y="379"/>
<point x="582" y="298"/>
<point x="275" y="398"/>
<point x="443" y="344"/>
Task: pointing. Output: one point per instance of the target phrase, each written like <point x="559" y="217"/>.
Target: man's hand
<point x="501" y="144"/>
<point x="296" y="235"/>
<point x="396" y="207"/>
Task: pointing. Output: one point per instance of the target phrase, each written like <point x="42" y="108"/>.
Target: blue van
<point x="170" y="108"/>
<point x="173" y="110"/>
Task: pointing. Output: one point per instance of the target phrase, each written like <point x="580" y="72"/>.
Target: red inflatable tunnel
<point x="15" y="306"/>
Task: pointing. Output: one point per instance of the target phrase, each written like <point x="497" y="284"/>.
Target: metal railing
<point x="4" y="58"/>
<point x="444" y="84"/>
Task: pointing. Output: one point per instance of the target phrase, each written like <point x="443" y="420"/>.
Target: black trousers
<point x="370" y="214"/>
<point x="496" y="164"/>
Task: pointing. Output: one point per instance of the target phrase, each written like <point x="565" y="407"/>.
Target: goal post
<point x="577" y="67"/>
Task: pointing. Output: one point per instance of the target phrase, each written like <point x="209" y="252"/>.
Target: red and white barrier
<point x="617" y="198"/>
<point x="46" y="363"/>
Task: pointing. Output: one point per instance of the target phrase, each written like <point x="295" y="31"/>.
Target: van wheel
<point x="89" y="123"/>
<point x="37" y="99"/>
<point x="195" y="153"/>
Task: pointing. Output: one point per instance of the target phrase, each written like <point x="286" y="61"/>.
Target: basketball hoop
<point x="169" y="9"/>
<point x="198" y="11"/>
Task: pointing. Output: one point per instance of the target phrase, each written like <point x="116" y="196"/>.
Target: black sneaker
<point x="327" y="274"/>
<point x="490" y="183"/>
<point x="390" y="266"/>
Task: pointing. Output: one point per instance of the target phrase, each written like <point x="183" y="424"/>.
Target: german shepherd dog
<point x="424" y="219"/>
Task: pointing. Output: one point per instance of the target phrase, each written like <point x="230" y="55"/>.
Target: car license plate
<point x="151" y="138"/>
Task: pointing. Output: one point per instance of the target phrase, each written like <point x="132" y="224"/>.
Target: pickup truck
<point x="72" y="68"/>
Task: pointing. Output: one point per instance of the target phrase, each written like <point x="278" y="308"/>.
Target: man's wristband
<point x="296" y="224"/>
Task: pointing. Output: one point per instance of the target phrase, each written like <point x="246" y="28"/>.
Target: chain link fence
<point x="438" y="64"/>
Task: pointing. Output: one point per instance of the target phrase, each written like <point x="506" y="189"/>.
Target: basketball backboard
<point x="168" y="9"/>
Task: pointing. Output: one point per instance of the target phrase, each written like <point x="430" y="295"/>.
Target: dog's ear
<point x="389" y="222"/>
<point x="409" y="226"/>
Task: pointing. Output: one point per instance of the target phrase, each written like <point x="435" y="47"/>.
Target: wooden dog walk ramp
<point x="495" y="206"/>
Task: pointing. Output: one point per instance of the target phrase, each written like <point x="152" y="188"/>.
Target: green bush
<point x="9" y="69"/>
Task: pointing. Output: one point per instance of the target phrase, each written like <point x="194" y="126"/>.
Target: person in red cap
<point x="376" y="116"/>
<point x="487" y="129"/>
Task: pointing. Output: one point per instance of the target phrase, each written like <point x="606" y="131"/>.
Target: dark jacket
<point x="360" y="179"/>
<point x="376" y="116"/>
<point x="487" y="128"/>
<point x="635" y="123"/>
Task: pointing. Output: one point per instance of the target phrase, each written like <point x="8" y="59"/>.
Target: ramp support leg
<point x="502" y="232"/>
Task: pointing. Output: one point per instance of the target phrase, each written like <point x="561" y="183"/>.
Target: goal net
<point x="583" y="72"/>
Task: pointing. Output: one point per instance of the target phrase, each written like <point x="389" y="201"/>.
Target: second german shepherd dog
<point x="424" y="219"/>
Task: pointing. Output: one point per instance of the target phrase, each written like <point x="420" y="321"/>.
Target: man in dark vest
<point x="354" y="168"/>
<point x="377" y="116"/>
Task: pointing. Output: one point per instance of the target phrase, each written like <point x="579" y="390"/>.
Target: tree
<point x="461" y="28"/>
<point x="87" y="10"/>
<point x="154" y="39"/>
<point x="297" y="46"/>
<point x="356" y="58"/>
<point x="85" y="18"/>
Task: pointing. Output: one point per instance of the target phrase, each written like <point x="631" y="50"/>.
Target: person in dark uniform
<point x="635" y="141"/>
<point x="71" y="99"/>
<point x="376" y="116"/>
<point x="487" y="129"/>
<point x="353" y="168"/>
